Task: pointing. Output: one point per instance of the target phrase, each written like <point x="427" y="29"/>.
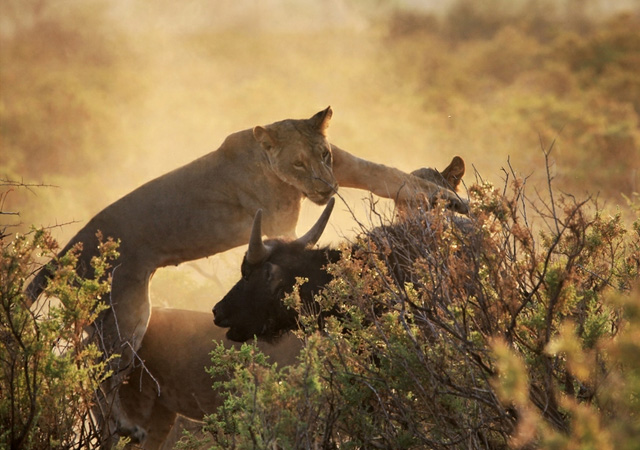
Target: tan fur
<point x="207" y="207"/>
<point x="175" y="351"/>
<point x="450" y="177"/>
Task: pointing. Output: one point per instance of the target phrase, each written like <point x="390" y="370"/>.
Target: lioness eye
<point x="298" y="165"/>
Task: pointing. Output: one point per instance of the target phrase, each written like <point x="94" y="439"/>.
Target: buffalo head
<point x="254" y="307"/>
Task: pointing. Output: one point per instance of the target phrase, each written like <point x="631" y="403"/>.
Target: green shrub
<point x="48" y="373"/>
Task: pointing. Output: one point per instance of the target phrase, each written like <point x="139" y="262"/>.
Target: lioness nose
<point x="326" y="189"/>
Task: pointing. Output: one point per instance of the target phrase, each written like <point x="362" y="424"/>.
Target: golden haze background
<point x="98" y="97"/>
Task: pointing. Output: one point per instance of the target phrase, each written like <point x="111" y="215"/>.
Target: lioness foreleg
<point x="119" y="331"/>
<point x="388" y="182"/>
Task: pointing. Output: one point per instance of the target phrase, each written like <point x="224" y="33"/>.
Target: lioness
<point x="175" y="349"/>
<point x="208" y="205"/>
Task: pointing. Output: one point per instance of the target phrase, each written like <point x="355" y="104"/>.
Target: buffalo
<point x="271" y="269"/>
<point x="253" y="306"/>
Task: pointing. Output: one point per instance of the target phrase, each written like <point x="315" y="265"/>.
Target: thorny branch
<point x="8" y="186"/>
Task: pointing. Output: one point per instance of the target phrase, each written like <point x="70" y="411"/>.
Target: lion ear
<point x="454" y="172"/>
<point x="264" y="137"/>
<point x="321" y="120"/>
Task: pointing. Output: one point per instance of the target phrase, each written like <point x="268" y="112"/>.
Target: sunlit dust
<point x="99" y="96"/>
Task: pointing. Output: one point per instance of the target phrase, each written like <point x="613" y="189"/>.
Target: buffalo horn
<point x="312" y="236"/>
<point x="257" y="251"/>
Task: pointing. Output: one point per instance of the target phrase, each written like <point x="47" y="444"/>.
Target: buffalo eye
<point x="326" y="156"/>
<point x="245" y="271"/>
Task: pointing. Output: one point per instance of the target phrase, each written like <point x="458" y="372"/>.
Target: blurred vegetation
<point x="529" y="70"/>
<point x="83" y="84"/>
<point x="505" y="334"/>
<point x="59" y="76"/>
<point x="99" y="97"/>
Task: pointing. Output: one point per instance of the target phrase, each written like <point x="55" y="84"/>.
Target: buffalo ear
<point x="320" y="121"/>
<point x="454" y="172"/>
<point x="274" y="276"/>
<point x="265" y="137"/>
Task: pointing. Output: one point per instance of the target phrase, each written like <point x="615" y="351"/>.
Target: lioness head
<point x="449" y="177"/>
<point x="300" y="155"/>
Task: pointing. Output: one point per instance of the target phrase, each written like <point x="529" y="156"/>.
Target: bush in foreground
<point x="517" y="329"/>
<point x="48" y="373"/>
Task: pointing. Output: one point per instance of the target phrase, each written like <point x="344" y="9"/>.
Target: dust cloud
<point x="99" y="97"/>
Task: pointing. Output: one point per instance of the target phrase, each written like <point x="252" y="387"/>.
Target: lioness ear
<point x="321" y="120"/>
<point x="264" y="137"/>
<point x="454" y="172"/>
